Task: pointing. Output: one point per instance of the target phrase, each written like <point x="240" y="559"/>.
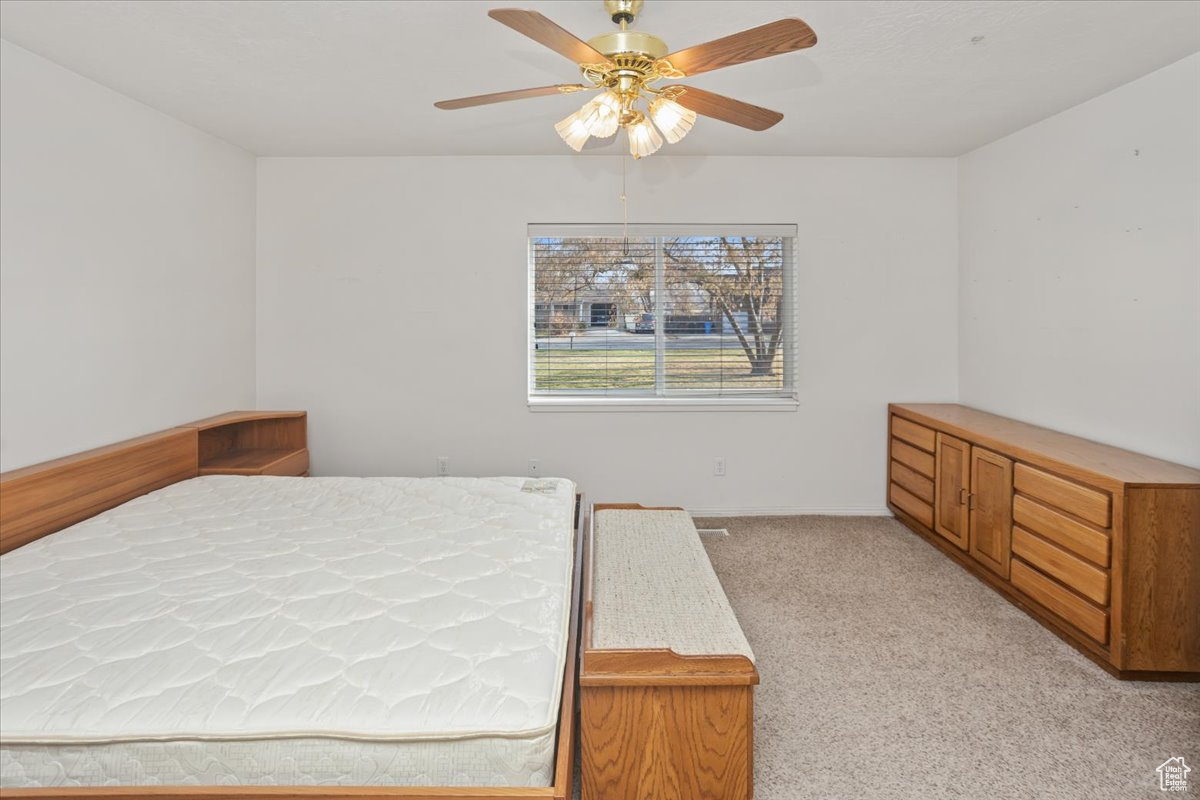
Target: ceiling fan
<point x="624" y="64"/>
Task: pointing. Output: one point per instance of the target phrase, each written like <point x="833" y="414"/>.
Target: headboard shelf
<point x="236" y="417"/>
<point x="281" y="461"/>
<point x="253" y="443"/>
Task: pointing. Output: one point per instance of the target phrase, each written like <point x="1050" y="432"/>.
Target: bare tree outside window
<point x="742" y="278"/>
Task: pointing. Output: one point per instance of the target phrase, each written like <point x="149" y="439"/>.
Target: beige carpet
<point x="889" y="672"/>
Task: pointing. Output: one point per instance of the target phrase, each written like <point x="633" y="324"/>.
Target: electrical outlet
<point x="535" y="467"/>
<point x="443" y="466"/>
<point x="719" y="466"/>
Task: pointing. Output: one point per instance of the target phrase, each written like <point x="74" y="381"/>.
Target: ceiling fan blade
<point x="772" y="39"/>
<point x="726" y="109"/>
<point x="503" y="97"/>
<point x="545" y="32"/>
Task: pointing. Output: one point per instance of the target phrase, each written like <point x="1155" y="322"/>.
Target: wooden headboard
<point x="44" y="498"/>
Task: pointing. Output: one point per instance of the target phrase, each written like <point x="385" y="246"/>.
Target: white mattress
<point x="292" y="630"/>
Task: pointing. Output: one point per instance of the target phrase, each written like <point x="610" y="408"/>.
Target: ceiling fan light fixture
<point x="624" y="65"/>
<point x="672" y="119"/>
<point x="573" y="131"/>
<point x="644" y="138"/>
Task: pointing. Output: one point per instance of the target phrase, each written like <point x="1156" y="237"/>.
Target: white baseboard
<point x="791" y="511"/>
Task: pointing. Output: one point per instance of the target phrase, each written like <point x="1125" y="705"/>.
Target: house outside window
<point x="662" y="316"/>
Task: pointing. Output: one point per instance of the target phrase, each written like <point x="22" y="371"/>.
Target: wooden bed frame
<point x="44" y="498"/>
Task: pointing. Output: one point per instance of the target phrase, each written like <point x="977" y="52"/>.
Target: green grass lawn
<point x="634" y="369"/>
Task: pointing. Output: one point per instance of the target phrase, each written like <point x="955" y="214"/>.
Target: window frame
<point x="787" y="399"/>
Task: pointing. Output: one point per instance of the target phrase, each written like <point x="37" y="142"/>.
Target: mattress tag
<point x="542" y="486"/>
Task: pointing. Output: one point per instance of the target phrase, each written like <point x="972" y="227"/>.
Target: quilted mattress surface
<point x="379" y="610"/>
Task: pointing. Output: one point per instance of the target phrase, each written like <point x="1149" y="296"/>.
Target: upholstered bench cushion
<point x="654" y="587"/>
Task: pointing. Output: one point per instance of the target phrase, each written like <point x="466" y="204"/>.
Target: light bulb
<point x="673" y="119"/>
<point x="602" y="115"/>
<point x="573" y="131"/>
<point x="643" y="138"/>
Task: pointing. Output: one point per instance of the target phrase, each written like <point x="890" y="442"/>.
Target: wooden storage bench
<point x="667" y="677"/>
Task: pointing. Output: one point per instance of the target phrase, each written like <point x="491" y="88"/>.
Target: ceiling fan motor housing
<point x="634" y="43"/>
<point x="633" y="54"/>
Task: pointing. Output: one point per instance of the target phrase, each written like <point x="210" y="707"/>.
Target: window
<point x="665" y="316"/>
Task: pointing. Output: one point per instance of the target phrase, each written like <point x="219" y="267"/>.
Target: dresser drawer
<point x="1076" y="537"/>
<point x="1061" y="601"/>
<point x="913" y="481"/>
<point x="913" y="433"/>
<point x="1084" y="502"/>
<point x="907" y="502"/>
<point x="910" y="456"/>
<point x="1089" y="581"/>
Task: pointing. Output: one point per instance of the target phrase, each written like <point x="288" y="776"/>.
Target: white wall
<point x="1080" y="269"/>
<point x="1053" y="276"/>
<point x="362" y="260"/>
<point x="127" y="293"/>
<point x="126" y="266"/>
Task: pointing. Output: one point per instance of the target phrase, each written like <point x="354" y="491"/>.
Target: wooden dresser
<point x="1099" y="544"/>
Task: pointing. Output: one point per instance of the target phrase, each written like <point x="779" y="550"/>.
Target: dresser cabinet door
<point x="953" y="477"/>
<point x="991" y="510"/>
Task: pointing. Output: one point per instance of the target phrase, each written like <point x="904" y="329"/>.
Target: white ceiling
<point x="359" y="78"/>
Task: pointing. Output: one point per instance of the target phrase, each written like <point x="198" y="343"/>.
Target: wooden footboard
<point x="316" y="792"/>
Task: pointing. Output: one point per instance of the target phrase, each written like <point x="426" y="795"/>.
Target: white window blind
<point x="663" y="312"/>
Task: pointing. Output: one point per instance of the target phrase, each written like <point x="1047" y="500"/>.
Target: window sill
<point x="568" y="404"/>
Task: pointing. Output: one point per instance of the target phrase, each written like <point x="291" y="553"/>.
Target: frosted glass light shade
<point x="573" y="131"/>
<point x="672" y="119"/>
<point x="602" y="115"/>
<point x="643" y="138"/>
<point x="599" y="117"/>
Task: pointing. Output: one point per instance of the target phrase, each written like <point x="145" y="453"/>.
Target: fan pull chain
<point x="624" y="211"/>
